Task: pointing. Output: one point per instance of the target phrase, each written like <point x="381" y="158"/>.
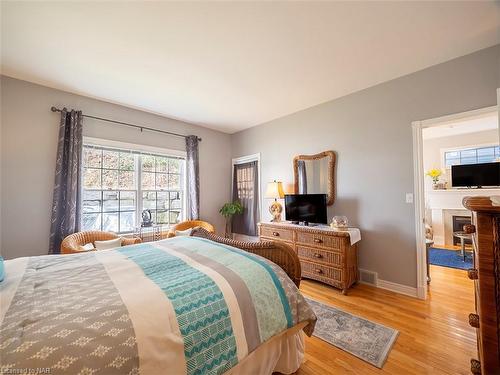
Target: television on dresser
<point x="476" y="175"/>
<point x="306" y="208"/>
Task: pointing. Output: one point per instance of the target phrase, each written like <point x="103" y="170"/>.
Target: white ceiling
<point x="233" y="65"/>
<point x="473" y="124"/>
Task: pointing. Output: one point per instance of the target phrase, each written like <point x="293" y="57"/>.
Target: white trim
<point x="133" y="146"/>
<point x="418" y="182"/>
<point x="246" y="159"/>
<point x="397" y="288"/>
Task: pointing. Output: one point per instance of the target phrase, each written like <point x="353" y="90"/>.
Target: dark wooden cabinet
<point x="485" y="228"/>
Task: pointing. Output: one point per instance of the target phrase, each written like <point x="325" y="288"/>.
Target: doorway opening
<point x="442" y="146"/>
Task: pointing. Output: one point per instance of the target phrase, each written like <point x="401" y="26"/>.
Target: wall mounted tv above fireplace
<point x="476" y="175"/>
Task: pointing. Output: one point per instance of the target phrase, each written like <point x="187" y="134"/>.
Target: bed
<point x="185" y="305"/>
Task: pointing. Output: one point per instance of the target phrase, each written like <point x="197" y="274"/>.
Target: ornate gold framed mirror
<point x="315" y="174"/>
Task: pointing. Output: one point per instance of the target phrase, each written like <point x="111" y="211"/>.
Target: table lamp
<point x="275" y="191"/>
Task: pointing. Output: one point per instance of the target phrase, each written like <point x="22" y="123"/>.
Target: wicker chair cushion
<point x="108" y="244"/>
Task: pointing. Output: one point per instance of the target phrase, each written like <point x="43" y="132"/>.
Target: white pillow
<point x="109" y="244"/>
<point x="186" y="232"/>
<point x="88" y="247"/>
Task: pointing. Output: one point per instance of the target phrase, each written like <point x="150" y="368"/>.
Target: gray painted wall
<point x="371" y="132"/>
<point x="28" y="150"/>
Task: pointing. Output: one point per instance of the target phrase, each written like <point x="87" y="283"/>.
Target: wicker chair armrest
<point x="171" y="233"/>
<point x="275" y="251"/>
<point x="131" y="241"/>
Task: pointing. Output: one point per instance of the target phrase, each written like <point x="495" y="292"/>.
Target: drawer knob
<point x="276" y="234"/>
<point x="318" y="240"/>
<point x="318" y="270"/>
<point x="474" y="320"/>
<point x="318" y="255"/>
<point x="469" y="228"/>
<point x="472" y="273"/>
<point x="475" y="367"/>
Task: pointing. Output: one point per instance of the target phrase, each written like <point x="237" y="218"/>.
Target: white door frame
<point x="247" y="159"/>
<point x="418" y="179"/>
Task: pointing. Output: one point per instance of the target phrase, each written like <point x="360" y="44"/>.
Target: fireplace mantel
<point x="442" y="205"/>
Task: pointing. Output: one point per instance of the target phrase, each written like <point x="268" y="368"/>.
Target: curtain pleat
<point x="193" y="178"/>
<point x="246" y="191"/>
<point x="66" y="201"/>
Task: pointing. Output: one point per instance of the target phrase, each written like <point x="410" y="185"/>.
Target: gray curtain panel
<point x="246" y="190"/>
<point x="302" y="176"/>
<point x="66" y="204"/>
<point x="193" y="178"/>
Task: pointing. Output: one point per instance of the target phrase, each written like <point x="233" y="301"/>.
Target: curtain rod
<point x="141" y="128"/>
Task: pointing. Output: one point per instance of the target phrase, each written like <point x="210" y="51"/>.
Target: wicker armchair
<point x="190" y="224"/>
<point x="74" y="242"/>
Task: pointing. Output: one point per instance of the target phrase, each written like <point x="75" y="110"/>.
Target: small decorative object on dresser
<point x="485" y="229"/>
<point x="275" y="191"/>
<point x="325" y="255"/>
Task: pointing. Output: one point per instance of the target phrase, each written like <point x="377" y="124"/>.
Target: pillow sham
<point x="109" y="244"/>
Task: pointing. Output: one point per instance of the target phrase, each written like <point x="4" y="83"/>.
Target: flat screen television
<point x="475" y="175"/>
<point x="310" y="208"/>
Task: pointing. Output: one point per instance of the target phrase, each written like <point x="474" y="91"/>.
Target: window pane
<point x="161" y="181"/>
<point x="174" y="166"/>
<point x="161" y="164"/>
<point x="175" y="199"/>
<point x="149" y="200"/>
<point x="162" y="203"/>
<point x="126" y="180"/>
<point x="110" y="159"/>
<point x="148" y="181"/>
<point x="148" y="163"/>
<point x="451" y="154"/>
<point x="91" y="178"/>
<point x="110" y="222"/>
<point x="468" y="160"/>
<point x="486" y="159"/>
<point x="109" y="201"/>
<point x="468" y="153"/>
<point x="109" y="179"/>
<point x="91" y="157"/>
<point x="127" y="201"/>
<point x="174" y="182"/>
<point x="91" y="201"/>
<point x="126" y="161"/>
<point x="486" y="151"/>
<point x="91" y="221"/>
<point x="174" y="217"/>
<point x="162" y="217"/>
<point x="127" y="221"/>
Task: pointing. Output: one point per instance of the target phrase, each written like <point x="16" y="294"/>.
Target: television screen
<point x="475" y="175"/>
<point x="309" y="208"/>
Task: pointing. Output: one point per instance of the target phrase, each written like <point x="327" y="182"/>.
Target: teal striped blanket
<point x="183" y="305"/>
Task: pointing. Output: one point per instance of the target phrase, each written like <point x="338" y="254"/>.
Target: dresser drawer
<point x="320" y="240"/>
<point x="317" y="255"/>
<point x="277" y="233"/>
<point x="315" y="270"/>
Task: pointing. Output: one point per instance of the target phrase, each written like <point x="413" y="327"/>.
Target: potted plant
<point x="228" y="211"/>
<point x="435" y="174"/>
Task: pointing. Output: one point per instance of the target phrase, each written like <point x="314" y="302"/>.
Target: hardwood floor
<point x="434" y="335"/>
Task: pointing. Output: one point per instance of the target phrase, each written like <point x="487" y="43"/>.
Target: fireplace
<point x="458" y="223"/>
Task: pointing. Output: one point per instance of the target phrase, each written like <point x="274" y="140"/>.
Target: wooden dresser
<point x="325" y="255"/>
<point x="486" y="275"/>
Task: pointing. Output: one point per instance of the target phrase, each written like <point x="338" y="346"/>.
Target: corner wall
<point x="371" y="133"/>
<point x="28" y="152"/>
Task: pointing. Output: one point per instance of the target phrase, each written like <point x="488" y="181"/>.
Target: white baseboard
<point x="398" y="288"/>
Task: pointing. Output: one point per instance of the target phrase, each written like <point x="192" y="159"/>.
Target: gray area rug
<point x="364" y="339"/>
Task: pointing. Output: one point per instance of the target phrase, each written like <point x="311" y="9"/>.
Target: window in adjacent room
<point x="118" y="184"/>
<point x="475" y="155"/>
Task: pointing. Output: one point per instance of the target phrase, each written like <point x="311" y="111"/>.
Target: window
<point x="119" y="184"/>
<point x="472" y="155"/>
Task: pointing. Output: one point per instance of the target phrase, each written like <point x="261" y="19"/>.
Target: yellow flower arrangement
<point x="434" y="174"/>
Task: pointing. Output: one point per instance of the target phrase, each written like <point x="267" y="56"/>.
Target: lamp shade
<point x="274" y="190"/>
